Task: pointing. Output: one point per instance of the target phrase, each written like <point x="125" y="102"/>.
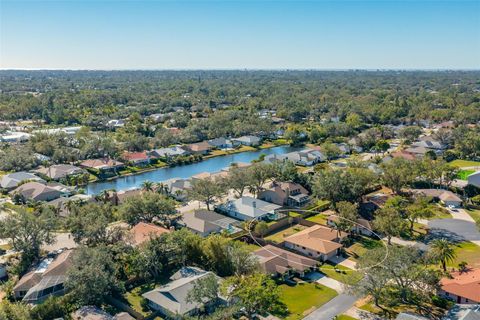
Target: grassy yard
<point x="464" y="163"/>
<point x="475" y="214"/>
<point x="134" y="297"/>
<point x="441" y="213"/>
<point x="463" y="174"/>
<point x="345" y="317"/>
<point x="250" y="247"/>
<point x="362" y="246"/>
<point x="466" y="251"/>
<point x="344" y="275"/>
<point x="303" y="298"/>
<point x="318" y="218"/>
<point x="280" y="235"/>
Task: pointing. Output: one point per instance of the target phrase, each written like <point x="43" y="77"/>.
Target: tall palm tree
<point x="147" y="185"/>
<point x="442" y="251"/>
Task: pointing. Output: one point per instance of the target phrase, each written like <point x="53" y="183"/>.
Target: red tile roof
<point x="463" y="284"/>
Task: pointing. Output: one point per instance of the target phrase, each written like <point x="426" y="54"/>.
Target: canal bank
<point x="210" y="165"/>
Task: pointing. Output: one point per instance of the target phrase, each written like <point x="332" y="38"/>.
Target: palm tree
<point x="147" y="185"/>
<point x="442" y="251"/>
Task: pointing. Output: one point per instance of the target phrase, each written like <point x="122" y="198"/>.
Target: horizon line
<point x="240" y="69"/>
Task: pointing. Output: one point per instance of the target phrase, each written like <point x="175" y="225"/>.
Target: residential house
<point x="210" y="175"/>
<point x="59" y="171"/>
<point x="219" y="143"/>
<point x="248" y="208"/>
<point x="275" y="261"/>
<point x="117" y="198"/>
<point x="285" y="194"/>
<point x="419" y="151"/>
<point x="448" y="198"/>
<point x="172" y="297"/>
<point x="95" y="313"/>
<point x="317" y="241"/>
<point x="12" y="180"/>
<point x="37" y="191"/>
<point x="170" y="152"/>
<point x="102" y="164"/>
<point x="200" y="148"/>
<point x="307" y="157"/>
<point x="474" y="179"/>
<point x="362" y="226"/>
<point x="138" y="159"/>
<point x="143" y="232"/>
<point x="252" y="141"/>
<point x="15" y="137"/>
<point x="62" y="204"/>
<point x="45" y="280"/>
<point x="67" y="130"/>
<point x="462" y="286"/>
<point x="463" y="312"/>
<point x="404" y="154"/>
<point x="205" y="222"/>
<point x="429" y="142"/>
<point x="116" y="123"/>
<point x="178" y="188"/>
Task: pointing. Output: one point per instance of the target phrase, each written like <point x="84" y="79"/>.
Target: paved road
<point x="337" y="305"/>
<point x="455" y="229"/>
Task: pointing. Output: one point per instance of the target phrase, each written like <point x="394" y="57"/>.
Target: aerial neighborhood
<point x="240" y="198"/>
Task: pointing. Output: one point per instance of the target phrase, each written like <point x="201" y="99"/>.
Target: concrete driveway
<point x="322" y="279"/>
<point x="336" y="306"/>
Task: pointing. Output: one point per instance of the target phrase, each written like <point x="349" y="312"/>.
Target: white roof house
<point x="172" y="297"/>
<point x="169" y="152"/>
<point x="307" y="157"/>
<point x="247" y="208"/>
<point x="13" y="136"/>
<point x="12" y="180"/>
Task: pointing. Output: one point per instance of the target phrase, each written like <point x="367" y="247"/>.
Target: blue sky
<point x="229" y="34"/>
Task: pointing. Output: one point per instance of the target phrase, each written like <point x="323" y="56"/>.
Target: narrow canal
<point x="186" y="171"/>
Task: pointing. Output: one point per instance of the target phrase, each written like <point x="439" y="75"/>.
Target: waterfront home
<point x="446" y="197"/>
<point x="62" y="204"/>
<point x="318" y="242"/>
<point x="59" y="171"/>
<point x="143" y="232"/>
<point x="362" y="226"/>
<point x="307" y="157"/>
<point x="169" y="152"/>
<point x="248" y="141"/>
<point x="474" y="179"/>
<point x="209" y="175"/>
<point x="138" y="159"/>
<point x="199" y="148"/>
<point x="218" y="143"/>
<point x="462" y="286"/>
<point x="102" y="165"/>
<point x="117" y="198"/>
<point x="275" y="261"/>
<point x="12" y="180"/>
<point x="171" y="298"/>
<point x="37" y="191"/>
<point x="285" y="194"/>
<point x="45" y="280"/>
<point x="205" y="222"/>
<point x="247" y="208"/>
<point x="178" y="188"/>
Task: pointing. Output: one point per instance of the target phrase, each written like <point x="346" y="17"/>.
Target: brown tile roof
<point x="273" y="259"/>
<point x="464" y="284"/>
<point x="101" y="163"/>
<point x="403" y="154"/>
<point x="200" y="146"/>
<point x="135" y="156"/>
<point x="317" y="238"/>
<point x="142" y="232"/>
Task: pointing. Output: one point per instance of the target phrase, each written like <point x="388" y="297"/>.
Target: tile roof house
<point x="317" y="241"/>
<point x="462" y="287"/>
<point x="362" y="226"/>
<point x="172" y="297"/>
<point x="174" y="151"/>
<point x="37" y="191"/>
<point x="404" y="154"/>
<point x="12" y="180"/>
<point x="307" y="157"/>
<point x="447" y="197"/>
<point x="102" y="164"/>
<point x="95" y="313"/>
<point x="247" y="208"/>
<point x="61" y="204"/>
<point x="205" y="222"/>
<point x="277" y="261"/>
<point x="178" y="188"/>
<point x="142" y="232"/>
<point x="136" y="158"/>
<point x="59" y="171"/>
<point x="430" y="143"/>
<point x="247" y="140"/>
<point x="45" y="280"/>
<point x="285" y="194"/>
<point x="199" y="148"/>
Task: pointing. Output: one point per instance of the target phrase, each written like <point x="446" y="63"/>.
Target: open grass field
<point x="466" y="251"/>
<point x="344" y="317"/>
<point x="362" y="246"/>
<point x="318" y="218"/>
<point x="464" y="163"/>
<point x="280" y="235"/>
<point x="344" y="275"/>
<point x="463" y="174"/>
<point x="303" y="298"/>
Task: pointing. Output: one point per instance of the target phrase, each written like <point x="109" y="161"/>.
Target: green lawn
<point x="303" y="298"/>
<point x="466" y="251"/>
<point x="134" y="298"/>
<point x="250" y="247"/>
<point x="441" y="213"/>
<point x="318" y="218"/>
<point x="362" y="246"/>
<point x="464" y="163"/>
<point x="344" y="275"/>
<point x="463" y="174"/>
<point x="280" y="235"/>
<point x="475" y="214"/>
<point x="345" y="317"/>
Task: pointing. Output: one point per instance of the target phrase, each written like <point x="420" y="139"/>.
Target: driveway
<point x="454" y="229"/>
<point x="322" y="279"/>
<point x="344" y="262"/>
<point x="460" y="214"/>
<point x="336" y="306"/>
